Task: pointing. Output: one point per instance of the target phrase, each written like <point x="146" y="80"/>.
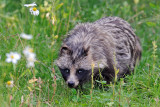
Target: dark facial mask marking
<point x="82" y="75"/>
<point x="65" y="73"/>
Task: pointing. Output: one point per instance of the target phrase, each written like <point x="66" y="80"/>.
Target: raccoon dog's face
<point x="75" y="70"/>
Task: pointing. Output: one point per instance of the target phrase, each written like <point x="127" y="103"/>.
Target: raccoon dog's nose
<point x="71" y="84"/>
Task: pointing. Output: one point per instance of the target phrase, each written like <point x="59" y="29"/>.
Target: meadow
<point x="40" y="83"/>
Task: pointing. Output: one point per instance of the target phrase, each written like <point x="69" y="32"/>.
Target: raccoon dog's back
<point x="110" y="43"/>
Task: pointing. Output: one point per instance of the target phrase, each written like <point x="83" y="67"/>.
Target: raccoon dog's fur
<point x="110" y="44"/>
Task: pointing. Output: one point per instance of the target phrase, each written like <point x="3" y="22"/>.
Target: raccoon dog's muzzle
<point x="72" y="80"/>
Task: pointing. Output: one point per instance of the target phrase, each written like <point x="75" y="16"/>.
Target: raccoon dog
<point x="108" y="43"/>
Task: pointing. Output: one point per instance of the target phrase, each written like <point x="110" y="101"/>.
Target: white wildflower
<point x="26" y="36"/>
<point x="30" y="64"/>
<point x="30" y="5"/>
<point x="34" y="11"/>
<point x="110" y="104"/>
<point x="31" y="58"/>
<point x="13" y="57"/>
<point x="9" y="84"/>
<point x="27" y="51"/>
<point x="47" y="15"/>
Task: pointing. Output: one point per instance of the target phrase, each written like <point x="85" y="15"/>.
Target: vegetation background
<point x="43" y="86"/>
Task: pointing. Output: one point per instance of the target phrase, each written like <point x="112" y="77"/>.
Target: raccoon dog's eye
<point x="66" y="70"/>
<point x="80" y="71"/>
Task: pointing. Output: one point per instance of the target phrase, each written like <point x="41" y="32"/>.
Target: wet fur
<point x="109" y="42"/>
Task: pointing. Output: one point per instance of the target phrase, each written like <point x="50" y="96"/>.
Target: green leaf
<point x="59" y="6"/>
<point x="152" y="5"/>
<point x="74" y="99"/>
<point x="102" y="82"/>
<point x="74" y="91"/>
<point x="151" y="24"/>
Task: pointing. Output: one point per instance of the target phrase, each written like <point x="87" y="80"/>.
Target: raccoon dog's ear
<point x="65" y="50"/>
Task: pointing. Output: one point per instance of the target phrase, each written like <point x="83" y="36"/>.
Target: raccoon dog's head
<point x="74" y="65"/>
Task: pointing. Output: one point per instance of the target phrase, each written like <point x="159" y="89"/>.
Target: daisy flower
<point x="30" y="5"/>
<point x="13" y="57"/>
<point x="30" y="64"/>
<point x="9" y="84"/>
<point x="26" y="36"/>
<point x="27" y="51"/>
<point x="31" y="58"/>
<point x="34" y="11"/>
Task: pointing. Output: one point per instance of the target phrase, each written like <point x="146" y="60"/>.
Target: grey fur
<point x="109" y="42"/>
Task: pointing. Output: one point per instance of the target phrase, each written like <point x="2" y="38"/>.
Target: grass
<point x="140" y="89"/>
